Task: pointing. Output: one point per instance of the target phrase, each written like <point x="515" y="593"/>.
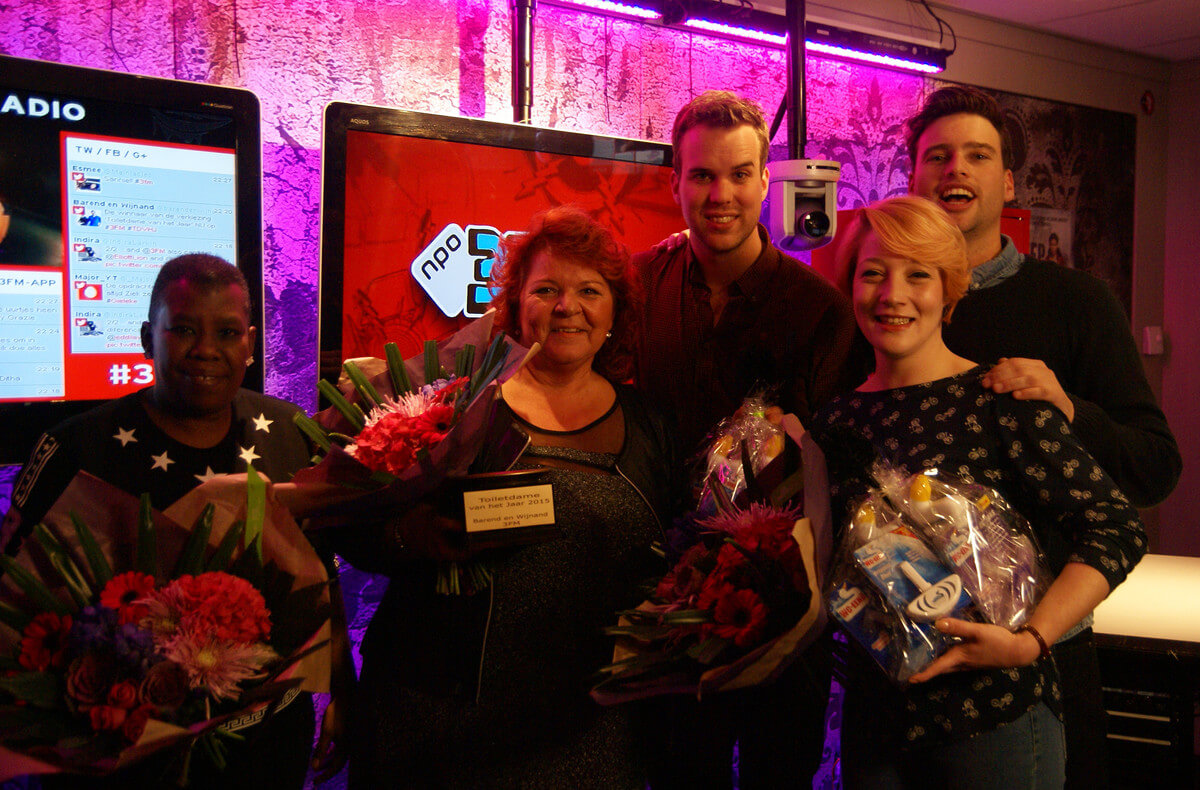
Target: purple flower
<point x="134" y="646"/>
<point x="93" y="628"/>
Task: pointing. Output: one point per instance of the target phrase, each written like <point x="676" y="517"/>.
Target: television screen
<point x="414" y="206"/>
<point x="103" y="178"/>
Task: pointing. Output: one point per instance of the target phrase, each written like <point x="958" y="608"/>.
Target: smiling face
<point x="898" y="304"/>
<point x="959" y="167"/>
<point x="200" y="340"/>
<point x="720" y="185"/>
<point x="568" y="307"/>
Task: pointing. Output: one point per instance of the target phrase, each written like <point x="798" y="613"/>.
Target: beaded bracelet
<point x="1045" y="649"/>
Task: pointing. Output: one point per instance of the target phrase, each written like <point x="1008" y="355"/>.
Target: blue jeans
<point x="1026" y="753"/>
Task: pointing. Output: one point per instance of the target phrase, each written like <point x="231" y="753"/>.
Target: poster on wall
<point x="1050" y="235"/>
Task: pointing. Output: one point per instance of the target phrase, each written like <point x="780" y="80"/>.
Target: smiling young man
<point x="728" y="310"/>
<point x="1055" y="334"/>
<point x="723" y="314"/>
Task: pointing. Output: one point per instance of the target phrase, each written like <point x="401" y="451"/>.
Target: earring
<point x="249" y="361"/>
<point x="608" y="334"/>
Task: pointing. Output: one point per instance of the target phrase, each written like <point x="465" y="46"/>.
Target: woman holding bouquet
<point x="491" y="689"/>
<point x="987" y="712"/>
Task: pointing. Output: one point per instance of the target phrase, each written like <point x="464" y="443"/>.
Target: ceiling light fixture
<point x="764" y="28"/>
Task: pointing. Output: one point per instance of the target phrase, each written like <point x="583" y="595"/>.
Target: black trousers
<point x="1083" y="713"/>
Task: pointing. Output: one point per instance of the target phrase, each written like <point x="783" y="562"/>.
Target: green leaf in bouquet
<point x="433" y="368"/>
<point x="396" y="371"/>
<point x="313" y="430"/>
<point x="220" y="559"/>
<point x="248" y="567"/>
<point x="464" y="360"/>
<point x="39" y="594"/>
<point x="39" y="689"/>
<point x="644" y="633"/>
<point x="493" y="363"/>
<point x="62" y="563"/>
<point x="102" y="571"/>
<point x="256" y="511"/>
<point x="348" y="410"/>
<point x="708" y="650"/>
<point x="366" y="391"/>
<point x="14" y="618"/>
<point x="147" y="551"/>
<point x="191" y="559"/>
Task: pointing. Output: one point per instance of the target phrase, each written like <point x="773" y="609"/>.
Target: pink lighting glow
<point x="610" y="7"/>
<point x="872" y="58"/>
<point x="748" y="34"/>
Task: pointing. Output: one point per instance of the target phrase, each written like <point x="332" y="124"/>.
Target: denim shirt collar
<point x="998" y="269"/>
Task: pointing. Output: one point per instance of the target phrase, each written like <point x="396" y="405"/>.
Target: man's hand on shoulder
<point x="1029" y="379"/>
<point x="671" y="243"/>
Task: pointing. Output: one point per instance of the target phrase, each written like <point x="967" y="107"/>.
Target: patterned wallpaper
<point x="591" y="73"/>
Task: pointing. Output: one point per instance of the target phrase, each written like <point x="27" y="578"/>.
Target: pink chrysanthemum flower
<point x="164" y="613"/>
<point x="215" y="665"/>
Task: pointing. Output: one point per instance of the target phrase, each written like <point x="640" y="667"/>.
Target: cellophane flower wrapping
<point x="737" y="450"/>
<point x="147" y="661"/>
<point x="968" y="553"/>
<point x="412" y="444"/>
<point x="742" y="599"/>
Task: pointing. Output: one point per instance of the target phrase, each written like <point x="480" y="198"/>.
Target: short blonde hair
<point x="915" y="229"/>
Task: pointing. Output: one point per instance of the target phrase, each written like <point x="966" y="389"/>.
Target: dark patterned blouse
<point x="1026" y="451"/>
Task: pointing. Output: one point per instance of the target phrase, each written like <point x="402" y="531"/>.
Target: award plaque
<point x="504" y="508"/>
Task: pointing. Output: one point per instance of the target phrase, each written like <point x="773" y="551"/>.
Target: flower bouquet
<point x="125" y="633"/>
<point x="740" y="603"/>
<point x="398" y="429"/>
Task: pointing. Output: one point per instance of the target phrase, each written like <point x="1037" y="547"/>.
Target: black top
<point x="1026" y="451"/>
<point x="1074" y="323"/>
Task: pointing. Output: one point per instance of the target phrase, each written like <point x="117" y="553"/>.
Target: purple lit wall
<point x="591" y="73"/>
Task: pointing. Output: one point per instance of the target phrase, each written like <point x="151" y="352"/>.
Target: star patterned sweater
<point x="118" y="442"/>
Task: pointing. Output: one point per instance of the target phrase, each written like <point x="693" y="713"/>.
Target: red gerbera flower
<point x="739" y="615"/>
<point x="123" y="593"/>
<point x="44" y="642"/>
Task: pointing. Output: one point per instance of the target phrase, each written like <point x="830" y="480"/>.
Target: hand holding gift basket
<point x="922" y="547"/>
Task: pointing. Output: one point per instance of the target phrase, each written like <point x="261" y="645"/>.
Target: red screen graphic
<point x="401" y="192"/>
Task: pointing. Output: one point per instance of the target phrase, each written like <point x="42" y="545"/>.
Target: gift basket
<point x="922" y="547"/>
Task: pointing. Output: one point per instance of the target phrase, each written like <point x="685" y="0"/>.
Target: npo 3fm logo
<point x="454" y="269"/>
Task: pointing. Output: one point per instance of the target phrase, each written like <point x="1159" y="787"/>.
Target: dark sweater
<point x="1074" y="323"/>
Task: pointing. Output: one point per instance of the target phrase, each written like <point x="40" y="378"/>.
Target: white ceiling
<point x="1167" y="29"/>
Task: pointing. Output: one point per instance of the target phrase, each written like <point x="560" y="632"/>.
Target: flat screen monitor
<point x="104" y="177"/>
<point x="414" y="206"/>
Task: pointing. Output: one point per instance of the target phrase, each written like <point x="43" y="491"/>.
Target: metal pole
<point x="522" y="23"/>
<point x="797" y="112"/>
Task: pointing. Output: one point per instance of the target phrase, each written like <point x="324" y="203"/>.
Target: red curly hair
<point x="569" y="233"/>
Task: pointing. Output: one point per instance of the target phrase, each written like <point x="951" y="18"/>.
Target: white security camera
<point x="802" y="203"/>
